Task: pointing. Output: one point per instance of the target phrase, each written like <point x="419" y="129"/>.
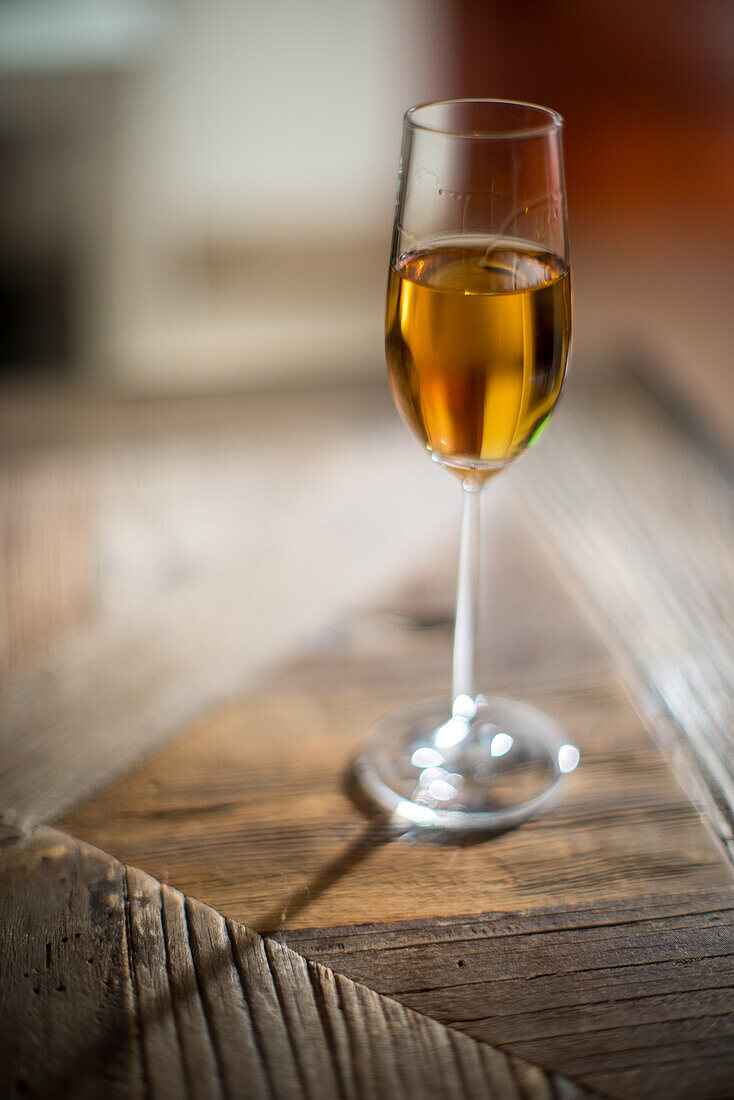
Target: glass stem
<point x="467" y="594"/>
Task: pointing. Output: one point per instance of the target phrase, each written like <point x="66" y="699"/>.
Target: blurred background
<point x="197" y="196"/>
<point x="195" y="212"/>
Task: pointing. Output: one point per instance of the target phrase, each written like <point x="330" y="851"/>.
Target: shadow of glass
<point x="380" y="829"/>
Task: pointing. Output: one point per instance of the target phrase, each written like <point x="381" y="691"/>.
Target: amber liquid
<point x="477" y="338"/>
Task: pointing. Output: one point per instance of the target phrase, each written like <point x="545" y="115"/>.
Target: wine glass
<point x="478" y="327"/>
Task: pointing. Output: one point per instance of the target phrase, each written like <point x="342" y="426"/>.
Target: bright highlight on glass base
<point x="481" y="765"/>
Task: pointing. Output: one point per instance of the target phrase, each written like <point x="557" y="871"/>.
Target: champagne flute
<point x="478" y="327"/>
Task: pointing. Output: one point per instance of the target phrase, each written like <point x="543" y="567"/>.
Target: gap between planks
<point x="632" y="997"/>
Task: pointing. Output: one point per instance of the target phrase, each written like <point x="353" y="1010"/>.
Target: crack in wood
<point x="256" y="1029"/>
<point x="134" y="999"/>
<point x="204" y="1000"/>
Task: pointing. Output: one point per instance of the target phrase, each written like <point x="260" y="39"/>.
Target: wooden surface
<point x="632" y="998"/>
<point x="650" y="556"/>
<point x="205" y="562"/>
<point x="589" y="950"/>
<point x="47" y="583"/>
<point x="273" y="839"/>
<point x="118" y="986"/>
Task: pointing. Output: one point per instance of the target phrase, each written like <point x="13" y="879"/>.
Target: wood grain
<point x="48" y="589"/>
<point x="629" y="993"/>
<point x="632" y="998"/>
<point x="197" y="558"/>
<point x="66" y="996"/>
<point x="119" y="986"/>
<point x="643" y="533"/>
<point x="248" y="810"/>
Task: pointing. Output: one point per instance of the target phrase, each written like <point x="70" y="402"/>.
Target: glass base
<point x="481" y="765"/>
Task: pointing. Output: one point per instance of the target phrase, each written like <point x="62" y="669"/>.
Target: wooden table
<point x="194" y="904"/>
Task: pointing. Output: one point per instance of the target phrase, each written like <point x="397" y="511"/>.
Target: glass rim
<point x="554" y="120"/>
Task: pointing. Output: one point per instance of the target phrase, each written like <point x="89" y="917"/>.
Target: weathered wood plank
<point x="643" y="530"/>
<point x="644" y="526"/>
<point x="46" y="536"/>
<point x="118" y="986"/>
<point x="162" y="1065"/>
<point x="198" y="1058"/>
<point x="228" y="1015"/>
<point x="272" y="839"/>
<point x="629" y="997"/>
<point x="160" y="555"/>
<point x="276" y="841"/>
<point x="66" y="995"/>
